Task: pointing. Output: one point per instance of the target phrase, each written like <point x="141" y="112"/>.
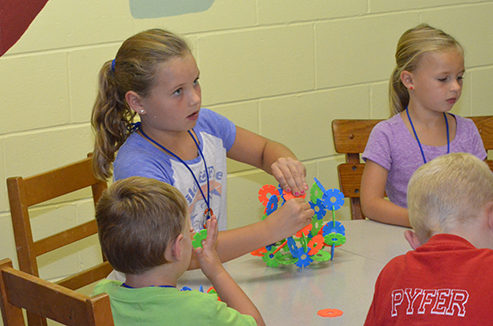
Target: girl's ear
<point x="134" y="102"/>
<point x="407" y="79"/>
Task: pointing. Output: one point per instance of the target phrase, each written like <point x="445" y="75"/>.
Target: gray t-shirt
<point x="394" y="148"/>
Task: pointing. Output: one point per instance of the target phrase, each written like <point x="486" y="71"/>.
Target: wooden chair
<point x="24" y="193"/>
<point x="485" y="128"/>
<point x="19" y="290"/>
<point x="350" y="138"/>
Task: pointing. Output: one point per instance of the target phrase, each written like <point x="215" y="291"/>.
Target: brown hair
<point x="137" y="219"/>
<point x="410" y="48"/>
<point x="133" y="69"/>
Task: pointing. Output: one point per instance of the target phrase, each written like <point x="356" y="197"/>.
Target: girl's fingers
<point x="291" y="175"/>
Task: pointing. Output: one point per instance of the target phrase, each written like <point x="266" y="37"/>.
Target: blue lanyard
<point x="161" y="286"/>
<point x="208" y="212"/>
<point x="416" y="135"/>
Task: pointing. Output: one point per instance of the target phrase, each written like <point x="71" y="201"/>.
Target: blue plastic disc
<point x="333" y="199"/>
<point x="272" y="205"/>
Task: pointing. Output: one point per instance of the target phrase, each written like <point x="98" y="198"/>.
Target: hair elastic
<point x="113" y="65"/>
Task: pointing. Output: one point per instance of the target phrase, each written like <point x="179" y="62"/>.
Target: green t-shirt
<point x="168" y="306"/>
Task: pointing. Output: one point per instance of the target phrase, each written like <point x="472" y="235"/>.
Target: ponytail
<point x="398" y="93"/>
<point x="111" y="122"/>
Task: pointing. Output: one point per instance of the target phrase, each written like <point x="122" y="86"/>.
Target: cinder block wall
<point x="282" y="68"/>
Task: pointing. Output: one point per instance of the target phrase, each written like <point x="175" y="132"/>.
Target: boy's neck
<point x="164" y="275"/>
<point x="478" y="229"/>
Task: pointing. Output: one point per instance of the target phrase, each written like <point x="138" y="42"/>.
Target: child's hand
<point x="290" y="173"/>
<point x="207" y="256"/>
<point x="294" y="215"/>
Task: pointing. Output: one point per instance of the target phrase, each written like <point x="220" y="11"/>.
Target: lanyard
<point x="208" y="212"/>
<point x="161" y="286"/>
<point x="416" y="135"/>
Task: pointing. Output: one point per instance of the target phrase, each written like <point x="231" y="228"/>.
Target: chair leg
<point x="35" y="320"/>
<point x="11" y="315"/>
<point x="356" y="209"/>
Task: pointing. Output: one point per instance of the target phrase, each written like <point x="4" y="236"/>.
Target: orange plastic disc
<point x="259" y="252"/>
<point x="331" y="313"/>
<point x="315" y="244"/>
<point x="266" y="192"/>
<point x="304" y="231"/>
<point x="288" y="195"/>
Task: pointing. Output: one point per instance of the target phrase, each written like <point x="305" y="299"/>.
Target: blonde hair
<point x="411" y="46"/>
<point x="448" y="191"/>
<point x="133" y="69"/>
<point x="137" y="219"/>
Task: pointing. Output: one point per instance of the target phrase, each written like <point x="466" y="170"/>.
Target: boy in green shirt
<point x="145" y="233"/>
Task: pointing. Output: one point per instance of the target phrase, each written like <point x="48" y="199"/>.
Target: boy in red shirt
<point x="445" y="280"/>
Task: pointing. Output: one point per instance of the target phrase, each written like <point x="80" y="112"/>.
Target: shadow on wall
<point x="142" y="9"/>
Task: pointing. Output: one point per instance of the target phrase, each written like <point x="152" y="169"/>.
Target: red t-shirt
<point x="447" y="281"/>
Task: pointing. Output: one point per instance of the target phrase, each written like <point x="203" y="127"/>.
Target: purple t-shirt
<point x="394" y="148"/>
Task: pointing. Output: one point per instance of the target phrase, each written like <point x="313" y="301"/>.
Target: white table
<point x="289" y="295"/>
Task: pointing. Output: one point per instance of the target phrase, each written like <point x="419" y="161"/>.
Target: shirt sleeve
<point x="378" y="148"/>
<point x="229" y="316"/>
<point x="477" y="146"/>
<point x="219" y="126"/>
<point x="378" y="308"/>
<point x="142" y="164"/>
<point x="370" y="318"/>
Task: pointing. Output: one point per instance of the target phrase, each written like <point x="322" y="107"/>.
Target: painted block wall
<point x="284" y="69"/>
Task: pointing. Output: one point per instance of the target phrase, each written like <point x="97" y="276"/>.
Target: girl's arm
<point x="227" y="289"/>
<point x="291" y="217"/>
<point x="294" y="215"/>
<point x="373" y="204"/>
<point x="272" y="157"/>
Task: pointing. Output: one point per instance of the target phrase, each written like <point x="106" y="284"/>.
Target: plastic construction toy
<point x="308" y="244"/>
<point x="198" y="238"/>
<point x="211" y="290"/>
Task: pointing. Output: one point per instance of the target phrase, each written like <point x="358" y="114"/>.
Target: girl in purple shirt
<point x="424" y="87"/>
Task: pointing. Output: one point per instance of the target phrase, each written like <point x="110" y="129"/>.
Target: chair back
<point x="26" y="192"/>
<point x="350" y="138"/>
<point x="19" y="290"/>
<point x="485" y="128"/>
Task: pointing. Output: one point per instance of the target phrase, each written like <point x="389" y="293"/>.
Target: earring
<point x="411" y="87"/>
<point x="141" y="111"/>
